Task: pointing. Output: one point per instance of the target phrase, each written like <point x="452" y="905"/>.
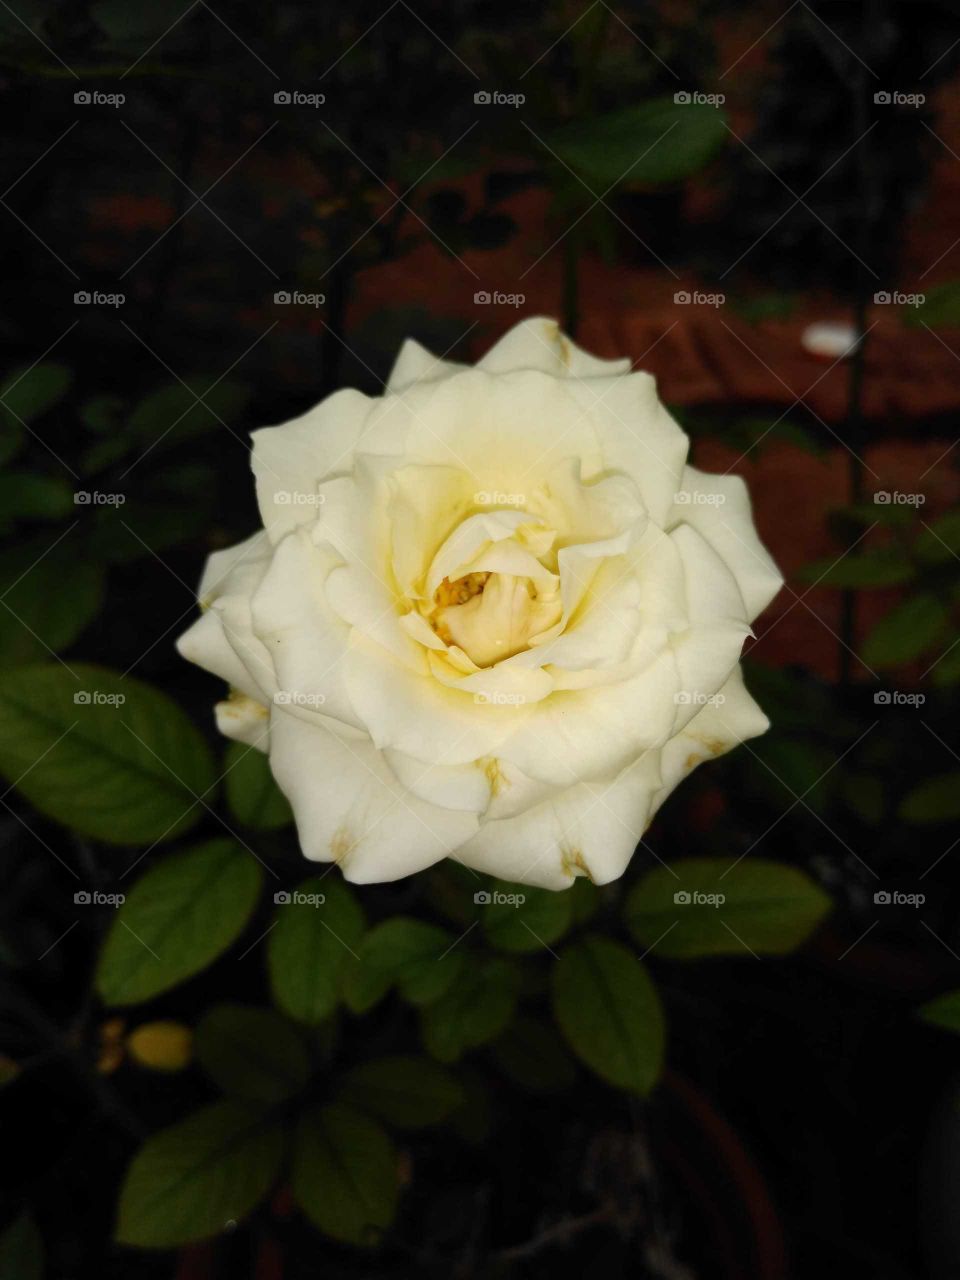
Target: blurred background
<point x="213" y="215"/>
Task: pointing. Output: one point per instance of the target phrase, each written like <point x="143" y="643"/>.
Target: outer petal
<point x="593" y="733"/>
<point x="539" y="343"/>
<point x="718" y="507"/>
<point x="416" y="364"/>
<point x="306" y="640"/>
<point x="729" y="719"/>
<point x="506" y="431"/>
<point x="222" y="639"/>
<point x="588" y="829"/>
<point x="244" y="720"/>
<point x="418" y="715"/>
<point x="637" y="435"/>
<point x="709" y="651"/>
<point x="290" y="461"/>
<point x="351" y="809"/>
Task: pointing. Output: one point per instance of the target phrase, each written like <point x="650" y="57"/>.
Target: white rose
<point x="492" y="615"/>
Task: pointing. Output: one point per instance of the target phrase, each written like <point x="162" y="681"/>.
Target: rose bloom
<point x="492" y="615"/>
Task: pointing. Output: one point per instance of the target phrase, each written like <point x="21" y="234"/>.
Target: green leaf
<point x="102" y="414"/>
<point x="940" y="309"/>
<point x="652" y="143"/>
<point x="29" y="393"/>
<point x="946" y="671"/>
<point x="540" y="918"/>
<point x="941" y="1011"/>
<point x="403" y="1090"/>
<point x="126" y="772"/>
<point x="935" y="800"/>
<point x="939" y="541"/>
<point x="252" y="1053"/>
<point x="609" y="1011"/>
<point x="199" y="1177"/>
<point x="419" y="958"/>
<point x="474" y="1010"/>
<point x="176" y="920"/>
<point x="767" y="908"/>
<point x="533" y="1055"/>
<point x="174" y="413"/>
<point x="316" y="933"/>
<point x="29" y="495"/>
<point x="253" y="797"/>
<point x="782" y="768"/>
<point x="49" y="598"/>
<point x="884" y="567"/>
<point x="345" y="1174"/>
<point x="907" y="631"/>
<point x="21" y="1250"/>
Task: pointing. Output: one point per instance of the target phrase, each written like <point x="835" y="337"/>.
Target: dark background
<point x="809" y="1119"/>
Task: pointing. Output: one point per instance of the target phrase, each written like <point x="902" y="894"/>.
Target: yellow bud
<point x="161" y="1046"/>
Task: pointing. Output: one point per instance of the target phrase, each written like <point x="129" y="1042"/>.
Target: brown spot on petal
<point x="492" y="770"/>
<point x="571" y="857"/>
<point x="342" y="844"/>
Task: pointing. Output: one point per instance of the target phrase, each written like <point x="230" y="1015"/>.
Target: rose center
<point x="492" y="616"/>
